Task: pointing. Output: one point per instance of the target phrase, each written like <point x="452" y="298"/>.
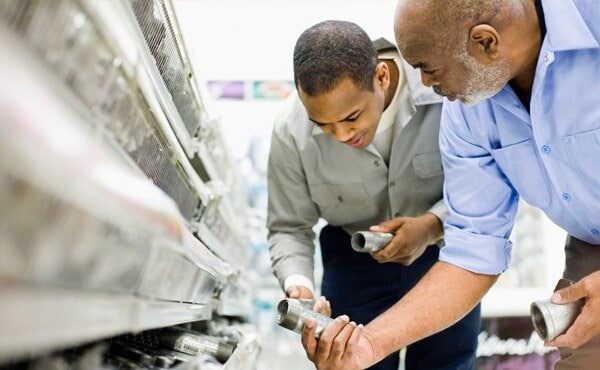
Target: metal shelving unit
<point x="106" y="226"/>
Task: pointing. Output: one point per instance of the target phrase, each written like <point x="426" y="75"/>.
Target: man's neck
<point x="394" y="77"/>
<point x="527" y="52"/>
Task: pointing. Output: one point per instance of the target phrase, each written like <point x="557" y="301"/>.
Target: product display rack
<point x="113" y="218"/>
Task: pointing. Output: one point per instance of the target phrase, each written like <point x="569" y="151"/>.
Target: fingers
<point x="578" y="334"/>
<point x="331" y="346"/>
<point x="587" y="324"/>
<point x="351" y="346"/>
<point x="398" y="250"/>
<point x="388" y="226"/>
<point x="299" y="292"/>
<point x="293" y="292"/>
<point x="587" y="287"/>
<point x="569" y="294"/>
<point x="309" y="342"/>
<point x="323" y="306"/>
<point x="319" y="350"/>
<point x="338" y="347"/>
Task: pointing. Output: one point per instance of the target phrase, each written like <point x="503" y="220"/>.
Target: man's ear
<point x="484" y="43"/>
<point x="382" y="75"/>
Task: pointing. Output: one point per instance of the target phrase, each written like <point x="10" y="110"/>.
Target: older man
<point x="521" y="120"/>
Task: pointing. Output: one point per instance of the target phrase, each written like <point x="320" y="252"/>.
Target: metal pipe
<point x="550" y="319"/>
<point x="369" y="241"/>
<point x="196" y="343"/>
<point x="293" y="313"/>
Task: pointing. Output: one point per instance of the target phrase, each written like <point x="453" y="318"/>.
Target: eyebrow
<point x="420" y="65"/>
<point x="342" y="120"/>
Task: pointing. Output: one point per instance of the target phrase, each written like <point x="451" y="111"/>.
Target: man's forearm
<point x="291" y="254"/>
<point x="442" y="297"/>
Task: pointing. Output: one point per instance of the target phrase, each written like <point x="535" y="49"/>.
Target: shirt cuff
<point x="482" y="254"/>
<point x="298" y="280"/>
<point x="440" y="210"/>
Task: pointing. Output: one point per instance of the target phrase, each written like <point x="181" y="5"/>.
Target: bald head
<point x="446" y="22"/>
<point x="454" y="41"/>
<point x="449" y="22"/>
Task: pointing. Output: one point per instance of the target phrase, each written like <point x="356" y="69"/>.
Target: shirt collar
<point x="566" y="35"/>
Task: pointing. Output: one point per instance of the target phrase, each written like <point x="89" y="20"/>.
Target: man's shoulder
<point x="383" y="45"/>
<point x="292" y="121"/>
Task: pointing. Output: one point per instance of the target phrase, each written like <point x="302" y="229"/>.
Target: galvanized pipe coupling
<point x="550" y="319"/>
<point x="369" y="241"/>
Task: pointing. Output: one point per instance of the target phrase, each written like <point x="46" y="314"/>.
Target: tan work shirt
<point x="312" y="176"/>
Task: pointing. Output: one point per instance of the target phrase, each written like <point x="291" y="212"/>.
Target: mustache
<point x="438" y="90"/>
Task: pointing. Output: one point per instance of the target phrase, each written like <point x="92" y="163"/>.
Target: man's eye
<point x="352" y="119"/>
<point x="429" y="72"/>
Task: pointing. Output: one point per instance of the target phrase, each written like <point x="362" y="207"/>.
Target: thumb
<point x="388" y="226"/>
<point x="377" y="228"/>
<point x="293" y="292"/>
<point x="569" y="294"/>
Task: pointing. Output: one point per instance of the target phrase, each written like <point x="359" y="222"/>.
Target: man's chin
<point x="473" y="99"/>
<point x="468" y="101"/>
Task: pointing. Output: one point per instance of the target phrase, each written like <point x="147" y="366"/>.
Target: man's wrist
<point x="298" y="280"/>
<point x="435" y="227"/>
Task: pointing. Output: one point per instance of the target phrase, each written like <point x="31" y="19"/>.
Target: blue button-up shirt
<point x="496" y="152"/>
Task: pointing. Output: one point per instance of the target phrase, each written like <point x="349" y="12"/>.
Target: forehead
<point x="336" y="104"/>
<point x="419" y="53"/>
<point x="415" y="36"/>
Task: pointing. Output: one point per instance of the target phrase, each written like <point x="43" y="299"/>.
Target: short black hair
<point x="330" y="51"/>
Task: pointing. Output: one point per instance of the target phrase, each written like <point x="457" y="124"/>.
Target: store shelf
<point x="37" y="319"/>
<point x="99" y="197"/>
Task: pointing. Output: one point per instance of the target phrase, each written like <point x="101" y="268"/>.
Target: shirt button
<point x="545" y="149"/>
<point x="392" y="183"/>
<point x="546" y="58"/>
<point x="595" y="232"/>
<point x="377" y="163"/>
<point x="340" y="198"/>
<point x="566" y="196"/>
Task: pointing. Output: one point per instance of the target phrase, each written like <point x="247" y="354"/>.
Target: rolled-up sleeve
<point x="291" y="212"/>
<point x="481" y="202"/>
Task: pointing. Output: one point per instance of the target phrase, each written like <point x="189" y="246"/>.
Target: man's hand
<point x="587" y="324"/>
<point x="299" y="292"/>
<point x="342" y="345"/>
<point x="323" y="306"/>
<point x="412" y="236"/>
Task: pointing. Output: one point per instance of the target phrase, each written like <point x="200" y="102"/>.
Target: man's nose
<point x="428" y="80"/>
<point x="341" y="132"/>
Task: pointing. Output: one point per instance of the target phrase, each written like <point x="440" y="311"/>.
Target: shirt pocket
<point x="428" y="165"/>
<point x="343" y="204"/>
<point x="425" y="186"/>
<point x="584" y="152"/>
<point x="521" y="165"/>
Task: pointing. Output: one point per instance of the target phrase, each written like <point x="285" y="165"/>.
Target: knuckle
<point x="321" y="350"/>
<point x="567" y="293"/>
<point x="586" y="284"/>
